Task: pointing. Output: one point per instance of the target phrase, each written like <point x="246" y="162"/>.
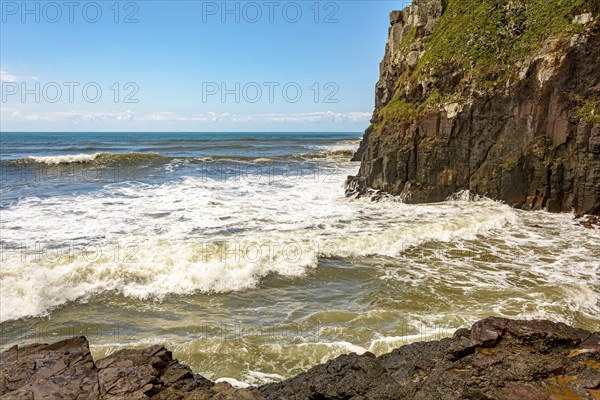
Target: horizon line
<point x="108" y="131"/>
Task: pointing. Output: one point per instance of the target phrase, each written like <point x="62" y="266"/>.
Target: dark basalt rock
<point x="346" y="377"/>
<point x="65" y="370"/>
<point x="62" y="370"/>
<point x="496" y="359"/>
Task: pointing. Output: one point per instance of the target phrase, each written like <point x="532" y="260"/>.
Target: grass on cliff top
<point x="486" y="38"/>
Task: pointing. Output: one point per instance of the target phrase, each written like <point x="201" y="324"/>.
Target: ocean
<point x="242" y="254"/>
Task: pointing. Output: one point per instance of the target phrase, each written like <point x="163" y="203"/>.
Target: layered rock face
<point x="499" y="98"/>
<point x="496" y="359"/>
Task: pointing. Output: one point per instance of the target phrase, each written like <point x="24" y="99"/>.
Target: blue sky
<point x="190" y="65"/>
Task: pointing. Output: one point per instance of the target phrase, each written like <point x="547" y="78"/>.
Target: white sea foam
<point x="342" y="346"/>
<point x="202" y="235"/>
<point x="233" y="382"/>
<point x="64" y="159"/>
<point x="262" y="377"/>
<point x="386" y="344"/>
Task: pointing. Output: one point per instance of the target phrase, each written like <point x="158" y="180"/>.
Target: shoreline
<point x="496" y="359"/>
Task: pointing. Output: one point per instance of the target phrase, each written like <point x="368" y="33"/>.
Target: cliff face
<point x="499" y="97"/>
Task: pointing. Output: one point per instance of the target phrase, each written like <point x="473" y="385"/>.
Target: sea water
<point x="241" y="253"/>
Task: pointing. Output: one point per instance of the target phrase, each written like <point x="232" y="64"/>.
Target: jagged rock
<point x="496" y="359"/>
<point x="139" y="374"/>
<point x="62" y="370"/>
<point x="66" y="370"/>
<point x="423" y="15"/>
<point x="346" y="377"/>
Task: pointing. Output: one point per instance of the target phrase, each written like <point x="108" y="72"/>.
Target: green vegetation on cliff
<point x="488" y="37"/>
<point x="486" y="40"/>
<point x="399" y="110"/>
<point x="587" y="112"/>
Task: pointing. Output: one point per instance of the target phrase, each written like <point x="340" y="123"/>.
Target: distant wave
<point x="67" y="159"/>
<point x="98" y="158"/>
<point x="140" y="158"/>
<point x="338" y="153"/>
<point x="239" y="159"/>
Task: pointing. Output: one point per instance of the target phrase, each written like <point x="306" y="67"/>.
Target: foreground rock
<point x="65" y="370"/>
<point x="500" y="98"/>
<point x="496" y="359"/>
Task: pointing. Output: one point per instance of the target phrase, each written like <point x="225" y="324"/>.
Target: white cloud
<point x="6" y="77"/>
<point x="163" y="118"/>
<point x="73" y="116"/>
<point x="173" y="117"/>
<point x="326" y="116"/>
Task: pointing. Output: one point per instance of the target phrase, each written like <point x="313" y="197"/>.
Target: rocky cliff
<point x="496" y="359"/>
<point x="500" y="97"/>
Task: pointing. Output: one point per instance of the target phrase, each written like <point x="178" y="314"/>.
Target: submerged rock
<point x="590" y="221"/>
<point x="496" y="359"/>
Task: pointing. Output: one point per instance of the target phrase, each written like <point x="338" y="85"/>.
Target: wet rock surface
<point x="66" y="370"/>
<point x="496" y="359"/>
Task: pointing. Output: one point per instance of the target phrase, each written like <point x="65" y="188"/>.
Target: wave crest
<point x="98" y="158"/>
<point x="132" y="158"/>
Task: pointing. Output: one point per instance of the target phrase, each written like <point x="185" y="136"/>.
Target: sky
<point x="207" y="66"/>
